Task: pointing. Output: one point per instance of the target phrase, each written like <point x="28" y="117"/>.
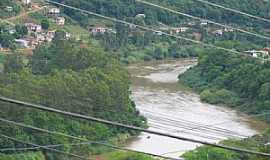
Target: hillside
<point x="239" y="82"/>
<point x="71" y="77"/>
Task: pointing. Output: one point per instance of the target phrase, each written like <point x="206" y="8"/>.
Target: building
<point x="228" y="30"/>
<point x="54" y="11"/>
<point x="9" y="9"/>
<point x="33" y="27"/>
<point x="178" y="30"/>
<point x="100" y="30"/>
<point x="191" y="23"/>
<point x="26" y="2"/>
<point x="259" y="53"/>
<point x="22" y="43"/>
<point x="204" y="23"/>
<point x="50" y="35"/>
<point x="218" y="32"/>
<point x="60" y="21"/>
<point x="140" y="16"/>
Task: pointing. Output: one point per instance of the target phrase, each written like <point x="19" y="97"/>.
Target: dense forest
<point x="70" y="76"/>
<point x="234" y="80"/>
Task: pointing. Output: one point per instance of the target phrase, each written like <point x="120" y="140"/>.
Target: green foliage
<point x="21" y="31"/>
<point x="11" y="3"/>
<point x="126" y="156"/>
<point x="256" y="143"/>
<point x="45" y="24"/>
<point x="224" y="78"/>
<point x="23" y="156"/>
<point x="73" y="77"/>
<point x="221" y="96"/>
<point x="13" y="63"/>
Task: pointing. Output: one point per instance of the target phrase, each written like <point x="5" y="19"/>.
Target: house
<point x="33" y="27"/>
<point x="23" y="43"/>
<point x="60" y="21"/>
<point x="26" y="2"/>
<point x="192" y="23"/>
<point x="259" y="53"/>
<point x="50" y="35"/>
<point x="9" y="9"/>
<point x="228" y="30"/>
<point x="140" y="16"/>
<point x="67" y="35"/>
<point x="178" y="30"/>
<point x="100" y="30"/>
<point x="218" y="32"/>
<point x="204" y="23"/>
<point x="159" y="33"/>
<point x="54" y="11"/>
<point x="11" y="31"/>
<point x="41" y="37"/>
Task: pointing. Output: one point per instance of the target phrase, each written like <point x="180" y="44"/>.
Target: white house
<point x="9" y="8"/>
<point x="60" y="21"/>
<point x="22" y="43"/>
<point x="33" y="27"/>
<point x="218" y="32"/>
<point x="100" y="30"/>
<point x="50" y="35"/>
<point x="178" y="30"/>
<point x="228" y="30"/>
<point x="26" y="2"/>
<point x="54" y="11"/>
<point x="204" y="23"/>
<point x="140" y="16"/>
<point x="259" y="53"/>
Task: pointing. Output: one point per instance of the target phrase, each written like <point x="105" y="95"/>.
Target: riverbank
<point x="242" y="84"/>
<point x="172" y="108"/>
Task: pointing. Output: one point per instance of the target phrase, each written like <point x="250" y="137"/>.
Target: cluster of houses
<point x="37" y="35"/>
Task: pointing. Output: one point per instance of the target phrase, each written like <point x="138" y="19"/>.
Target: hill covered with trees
<point x="70" y="76"/>
<point x="234" y="80"/>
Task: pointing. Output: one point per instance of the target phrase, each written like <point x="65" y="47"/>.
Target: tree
<point x="21" y="31"/>
<point x="45" y="24"/>
<point x="13" y="63"/>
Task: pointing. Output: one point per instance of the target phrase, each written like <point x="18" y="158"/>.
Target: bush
<point x="222" y="96"/>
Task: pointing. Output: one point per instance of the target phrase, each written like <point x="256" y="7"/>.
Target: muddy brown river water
<point x="171" y="108"/>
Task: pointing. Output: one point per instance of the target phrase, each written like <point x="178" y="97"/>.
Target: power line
<point x="44" y="147"/>
<point x="151" y="30"/>
<point x="80" y="139"/>
<point x="116" y="124"/>
<point x="234" y="10"/>
<point x="201" y="19"/>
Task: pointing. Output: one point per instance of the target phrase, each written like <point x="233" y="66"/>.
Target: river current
<point x="171" y="108"/>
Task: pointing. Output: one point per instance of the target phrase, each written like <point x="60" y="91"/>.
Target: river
<point x="172" y="108"/>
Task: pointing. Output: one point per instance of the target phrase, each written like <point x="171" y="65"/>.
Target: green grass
<point x="125" y="156"/>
